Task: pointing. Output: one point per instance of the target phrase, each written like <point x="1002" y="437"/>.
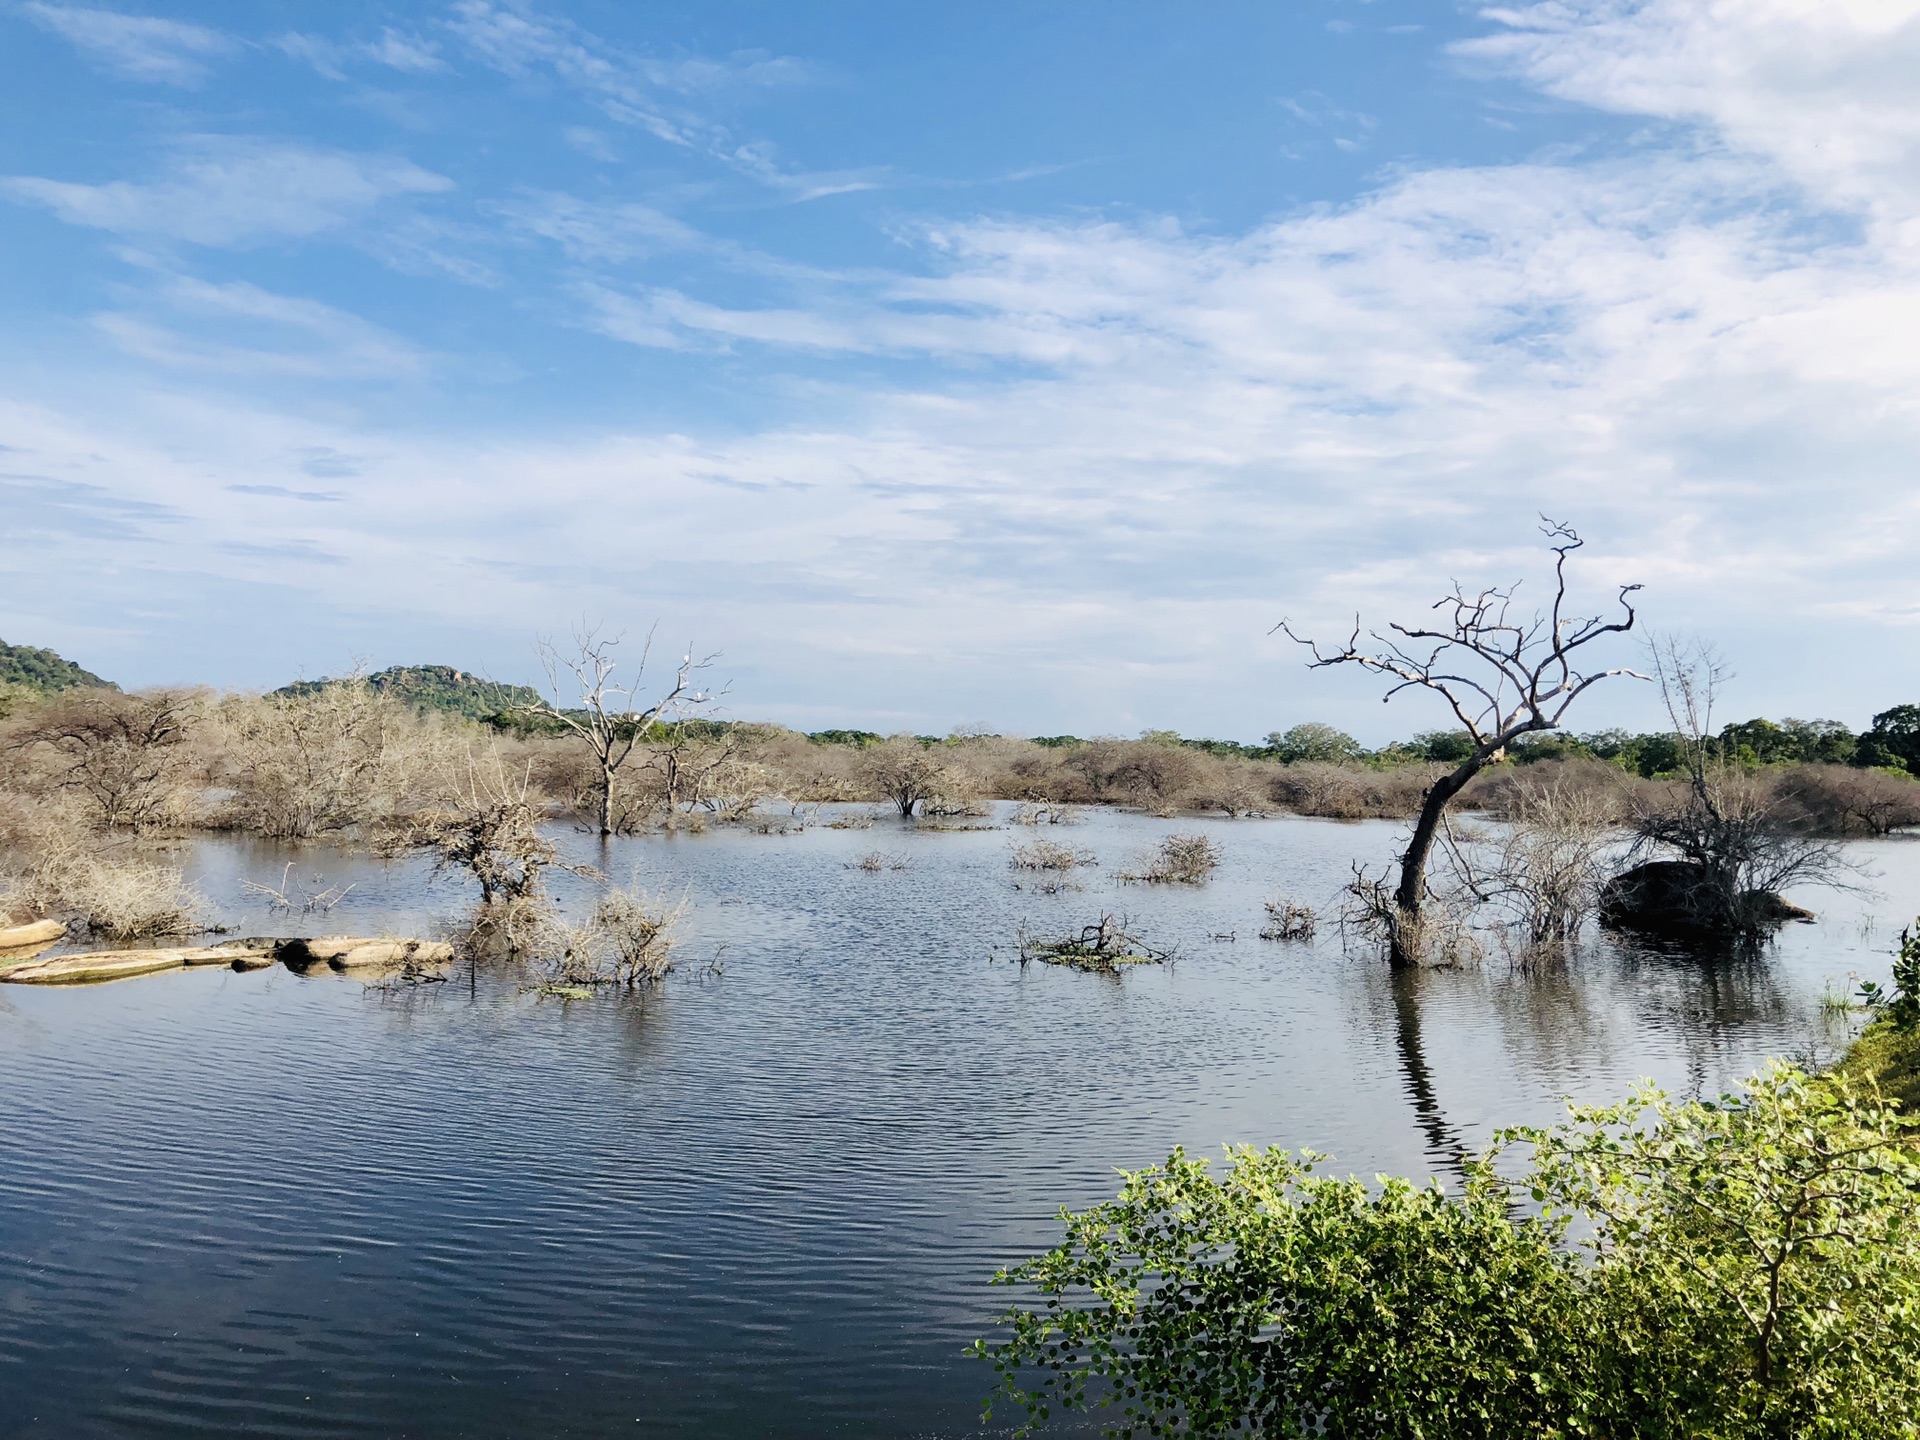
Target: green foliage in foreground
<point x="1742" y="1268"/>
<point x="28" y="667"/>
<point x="1887" y="1054"/>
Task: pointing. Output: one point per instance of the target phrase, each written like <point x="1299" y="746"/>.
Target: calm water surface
<point x="763" y="1199"/>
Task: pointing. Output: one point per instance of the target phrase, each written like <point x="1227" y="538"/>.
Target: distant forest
<point x="1891" y="742"/>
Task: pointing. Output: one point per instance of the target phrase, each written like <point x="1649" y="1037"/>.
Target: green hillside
<point x="32" y="668"/>
<point x="436" y="687"/>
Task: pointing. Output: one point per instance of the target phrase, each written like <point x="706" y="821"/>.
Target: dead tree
<point x="611" y="719"/>
<point x="1503" y="675"/>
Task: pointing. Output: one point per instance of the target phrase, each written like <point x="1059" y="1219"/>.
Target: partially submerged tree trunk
<point x="1521" y="678"/>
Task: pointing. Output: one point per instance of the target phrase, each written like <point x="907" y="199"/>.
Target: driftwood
<point x="341" y="952"/>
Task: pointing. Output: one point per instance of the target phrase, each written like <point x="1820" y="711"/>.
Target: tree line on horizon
<point x="1890" y="742"/>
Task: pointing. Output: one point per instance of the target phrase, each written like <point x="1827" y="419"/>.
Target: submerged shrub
<point x="628" y="940"/>
<point x="1288" y="920"/>
<point x="1180" y="860"/>
<point x="1045" y="855"/>
<point x="1745" y="1268"/>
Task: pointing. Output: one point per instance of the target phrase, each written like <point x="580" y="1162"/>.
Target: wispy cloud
<point x="671" y="99"/>
<point x="597" y="231"/>
<point x="136" y="47"/>
<point x="234" y="191"/>
<point x="241" y="329"/>
<point x="396" y="50"/>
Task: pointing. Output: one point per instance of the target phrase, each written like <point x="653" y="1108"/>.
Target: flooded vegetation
<point x="764" y="1193"/>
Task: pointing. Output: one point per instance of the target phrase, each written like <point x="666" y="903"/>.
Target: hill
<point x="436" y="687"/>
<point x="32" y="668"/>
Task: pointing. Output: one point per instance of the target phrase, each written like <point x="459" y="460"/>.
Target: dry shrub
<point x="1544" y="868"/>
<point x="120" y="898"/>
<point x="487" y="824"/>
<point x="340" y="758"/>
<point x="905" y="774"/>
<point x="1102" y="947"/>
<point x="1045" y="812"/>
<point x="875" y="861"/>
<point x="1441" y="934"/>
<point x="1158" y="776"/>
<point x="1352" y="792"/>
<point x="1839" y="800"/>
<point x="1179" y="860"/>
<point x="1235" y="788"/>
<point x="640" y="931"/>
<point x="58" y="865"/>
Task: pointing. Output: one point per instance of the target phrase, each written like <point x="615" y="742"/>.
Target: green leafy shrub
<point x="1747" y="1267"/>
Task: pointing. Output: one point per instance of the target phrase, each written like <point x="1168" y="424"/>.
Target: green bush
<point x="1748" y="1267"/>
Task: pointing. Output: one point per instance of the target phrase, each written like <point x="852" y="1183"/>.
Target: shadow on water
<point x="1444" y="1145"/>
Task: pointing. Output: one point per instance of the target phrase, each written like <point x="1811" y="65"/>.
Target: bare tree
<point x="1503" y="675"/>
<point x="611" y="719"/>
<point x="686" y="762"/>
<point x="903" y="771"/>
<point x="125" y="755"/>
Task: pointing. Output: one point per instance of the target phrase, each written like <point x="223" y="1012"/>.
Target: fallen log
<point x="38" y="934"/>
<point x="342" y="952"/>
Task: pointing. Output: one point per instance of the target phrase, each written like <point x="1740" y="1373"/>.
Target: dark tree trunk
<point x="1401" y="951"/>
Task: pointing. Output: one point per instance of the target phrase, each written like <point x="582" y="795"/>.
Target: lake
<point x="765" y="1197"/>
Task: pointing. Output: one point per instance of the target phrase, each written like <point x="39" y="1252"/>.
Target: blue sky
<point x="1016" y="365"/>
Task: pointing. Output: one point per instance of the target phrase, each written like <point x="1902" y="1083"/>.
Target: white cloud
<point x="230" y="191"/>
<point x="1824" y="87"/>
<point x="136" y="47"/>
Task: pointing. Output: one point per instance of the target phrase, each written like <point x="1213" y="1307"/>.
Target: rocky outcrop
<point x="360" y="952"/>
<point x="1676" y="898"/>
<point x="37" y="935"/>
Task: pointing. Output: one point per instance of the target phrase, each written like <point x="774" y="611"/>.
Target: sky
<point x="1017" y="365"/>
